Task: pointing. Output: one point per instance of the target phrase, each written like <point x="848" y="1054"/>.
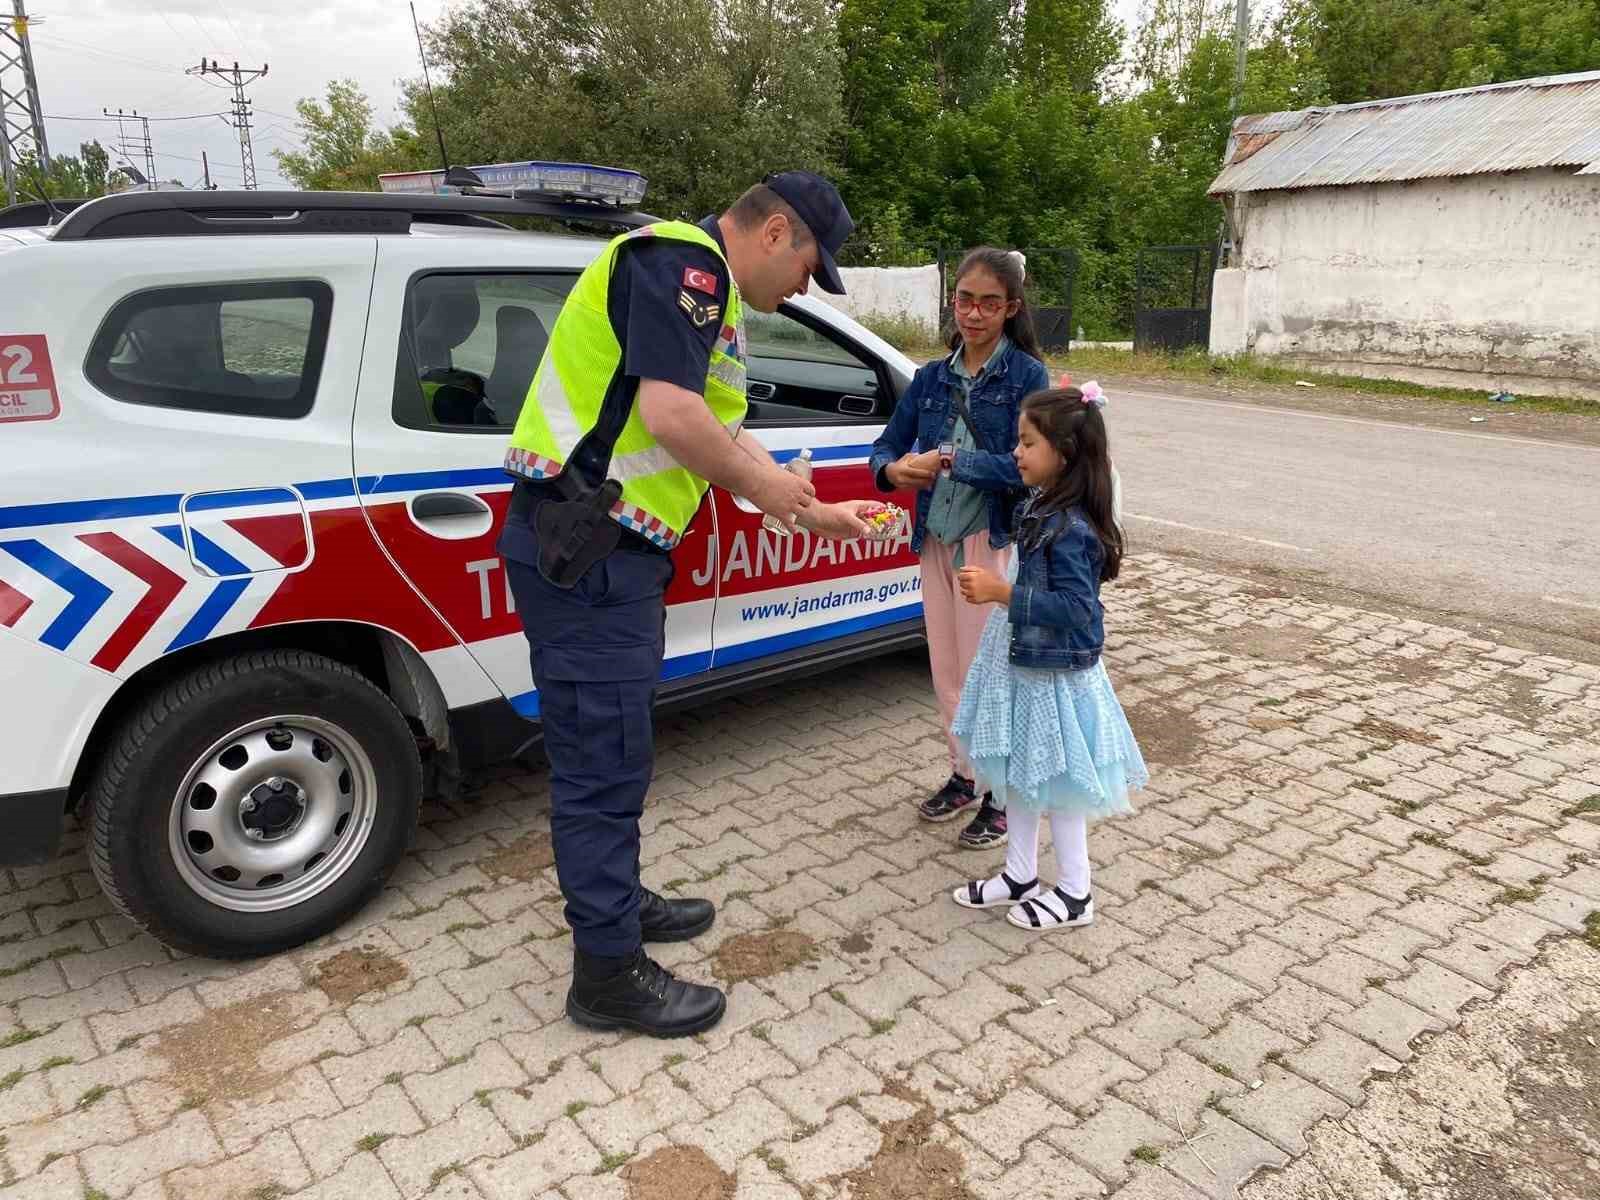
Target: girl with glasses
<point x="951" y="440"/>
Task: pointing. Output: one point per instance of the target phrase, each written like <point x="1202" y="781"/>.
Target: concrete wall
<point x="1481" y="282"/>
<point x="891" y="292"/>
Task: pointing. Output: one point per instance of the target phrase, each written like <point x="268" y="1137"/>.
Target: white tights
<point x="1069" y="832"/>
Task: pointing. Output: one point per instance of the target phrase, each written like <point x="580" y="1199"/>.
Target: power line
<point x="113" y="117"/>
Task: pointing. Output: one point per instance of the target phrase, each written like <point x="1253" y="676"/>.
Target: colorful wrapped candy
<point x="884" y="521"/>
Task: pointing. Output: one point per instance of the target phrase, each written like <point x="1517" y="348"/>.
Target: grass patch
<point x="1147" y="1154"/>
<point x="416" y="1021"/>
<point x="58" y="1060"/>
<point x="1522" y="894"/>
<point x="53" y="1156"/>
<point x="576" y="1107"/>
<point x="524" y="1140"/>
<point x="392" y="1077"/>
<point x="456" y="1060"/>
<point x="882" y="1025"/>
<point x="93" y="1096"/>
<point x="610" y="1162"/>
<point x="11" y="1079"/>
<point x="761" y="1033"/>
<point x="372" y="1141"/>
<point x="774" y="1164"/>
<point x="1202" y="367"/>
<point x="1275" y="1057"/>
<point x="1016" y="989"/>
<point x="673" y="1060"/>
<point x="1376" y="981"/>
<point x="269" y="1191"/>
<point x="129" y="1042"/>
<point x="673" y="885"/>
<point x="836" y="996"/>
<point x="904" y="332"/>
<point x="19" y="1037"/>
<point x="1591" y="929"/>
<point x="1589" y="806"/>
<point x="482" y="1097"/>
<point x="463" y="926"/>
<point x="95" y="1194"/>
<point x="443" y="1173"/>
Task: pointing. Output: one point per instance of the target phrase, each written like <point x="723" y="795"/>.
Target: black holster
<point x="576" y="531"/>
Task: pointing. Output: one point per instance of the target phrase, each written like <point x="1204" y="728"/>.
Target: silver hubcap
<point x="273" y="813"/>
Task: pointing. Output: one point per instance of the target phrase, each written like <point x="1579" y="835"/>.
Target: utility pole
<point x="21" y="115"/>
<point x="205" y="164"/>
<point x="140" y="144"/>
<point x="241" y="110"/>
<point x="1241" y="42"/>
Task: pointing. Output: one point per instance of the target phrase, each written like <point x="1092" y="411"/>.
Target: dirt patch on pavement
<point x="758" y="955"/>
<point x="909" y="1164"/>
<point x="218" y="1056"/>
<point x="1166" y="737"/>
<point x="1522" y="699"/>
<point x="1286" y="644"/>
<point x="856" y="943"/>
<point x="353" y="973"/>
<point x="1505" y="1107"/>
<point x="677" y="1173"/>
<point x="525" y="859"/>
<point x="1397" y="668"/>
<point x="1388" y="731"/>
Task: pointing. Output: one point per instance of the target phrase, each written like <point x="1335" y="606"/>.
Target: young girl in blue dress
<point x="1037" y="715"/>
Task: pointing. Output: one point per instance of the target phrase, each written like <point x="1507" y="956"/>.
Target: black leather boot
<point x="663" y="920"/>
<point x="641" y="995"/>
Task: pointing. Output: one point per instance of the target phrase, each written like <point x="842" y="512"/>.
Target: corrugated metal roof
<point x="1517" y="126"/>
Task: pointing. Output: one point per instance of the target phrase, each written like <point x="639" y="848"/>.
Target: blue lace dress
<point x="1051" y="740"/>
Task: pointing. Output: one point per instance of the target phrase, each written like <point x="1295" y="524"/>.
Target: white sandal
<point x="1052" y="910"/>
<point x="978" y="893"/>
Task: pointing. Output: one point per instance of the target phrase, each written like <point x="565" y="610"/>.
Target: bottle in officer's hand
<point x="801" y="466"/>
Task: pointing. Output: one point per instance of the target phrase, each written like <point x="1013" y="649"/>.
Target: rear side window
<point x="249" y="349"/>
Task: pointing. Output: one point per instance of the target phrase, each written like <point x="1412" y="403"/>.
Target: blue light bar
<point x="556" y="181"/>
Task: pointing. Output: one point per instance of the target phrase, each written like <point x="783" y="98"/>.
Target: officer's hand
<point x="841" y="521"/>
<point x="782" y="494"/>
<point x="914" y="471"/>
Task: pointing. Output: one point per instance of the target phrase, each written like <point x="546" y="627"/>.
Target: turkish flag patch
<point x="700" y="281"/>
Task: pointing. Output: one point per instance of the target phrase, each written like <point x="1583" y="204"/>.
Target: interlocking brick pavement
<point x="1357" y="826"/>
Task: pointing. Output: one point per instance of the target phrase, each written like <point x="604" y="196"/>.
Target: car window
<point x="797" y="374"/>
<point x="249" y="349"/>
<point x="469" y="347"/>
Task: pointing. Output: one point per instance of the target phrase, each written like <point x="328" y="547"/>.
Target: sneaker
<point x="955" y="797"/>
<point x="1053" y="910"/>
<point x="987" y="829"/>
<point x="642" y="995"/>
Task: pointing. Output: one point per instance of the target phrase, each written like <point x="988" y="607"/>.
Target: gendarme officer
<point x="638" y="403"/>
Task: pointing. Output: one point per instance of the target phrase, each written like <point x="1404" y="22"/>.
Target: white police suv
<point x="249" y="489"/>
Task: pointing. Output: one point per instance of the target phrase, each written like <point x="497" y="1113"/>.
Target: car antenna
<point x="44" y="192"/>
<point x="444" y="156"/>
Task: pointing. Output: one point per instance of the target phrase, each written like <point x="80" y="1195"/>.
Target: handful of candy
<point x="884" y="521"/>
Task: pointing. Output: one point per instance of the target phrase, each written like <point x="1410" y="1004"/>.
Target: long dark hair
<point x="1078" y="433"/>
<point x="1006" y="266"/>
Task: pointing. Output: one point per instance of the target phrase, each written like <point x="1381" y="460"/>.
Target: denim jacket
<point x="926" y="415"/>
<point x="1057" y="622"/>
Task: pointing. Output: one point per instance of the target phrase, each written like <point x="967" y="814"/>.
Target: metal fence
<point x="1172" y="297"/>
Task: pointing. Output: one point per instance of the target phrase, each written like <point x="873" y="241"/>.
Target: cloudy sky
<point x="132" y="54"/>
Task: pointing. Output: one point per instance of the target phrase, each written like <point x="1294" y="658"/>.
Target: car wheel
<point x="254" y="804"/>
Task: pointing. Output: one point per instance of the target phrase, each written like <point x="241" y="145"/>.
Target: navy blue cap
<point x="818" y="204"/>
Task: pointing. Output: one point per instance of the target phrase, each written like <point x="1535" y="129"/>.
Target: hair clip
<point x="1093" y="395"/>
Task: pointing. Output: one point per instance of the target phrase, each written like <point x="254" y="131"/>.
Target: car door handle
<point x="453" y="516"/>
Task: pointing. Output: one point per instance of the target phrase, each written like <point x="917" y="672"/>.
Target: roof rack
<point x="36" y="212"/>
<point x="199" y="214"/>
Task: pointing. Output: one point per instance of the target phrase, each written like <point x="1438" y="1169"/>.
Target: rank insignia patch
<point x="700" y="314"/>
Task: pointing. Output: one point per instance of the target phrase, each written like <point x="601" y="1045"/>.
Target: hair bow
<point x="1093" y="395"/>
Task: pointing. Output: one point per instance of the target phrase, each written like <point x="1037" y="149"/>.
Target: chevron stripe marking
<point x="161" y="589"/>
<point x="223" y="597"/>
<point x="12" y="604"/>
<point x="88" y="593"/>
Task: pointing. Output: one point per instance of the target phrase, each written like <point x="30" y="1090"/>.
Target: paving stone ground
<point x="1359" y="829"/>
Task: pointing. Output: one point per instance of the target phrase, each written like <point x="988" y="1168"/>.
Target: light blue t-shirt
<point x="956" y="511"/>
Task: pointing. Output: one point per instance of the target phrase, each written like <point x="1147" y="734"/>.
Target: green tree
<point x="702" y="96"/>
<point x="82" y="177"/>
<point x="341" y="149"/>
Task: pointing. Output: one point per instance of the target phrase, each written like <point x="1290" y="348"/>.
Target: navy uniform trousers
<point x="596" y="652"/>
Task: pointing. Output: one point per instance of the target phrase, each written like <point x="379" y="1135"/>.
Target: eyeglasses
<point x="988" y="306"/>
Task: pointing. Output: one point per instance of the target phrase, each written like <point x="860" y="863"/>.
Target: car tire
<point x="254" y="804"/>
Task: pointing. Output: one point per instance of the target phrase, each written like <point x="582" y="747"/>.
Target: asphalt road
<point x="1498" y="534"/>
